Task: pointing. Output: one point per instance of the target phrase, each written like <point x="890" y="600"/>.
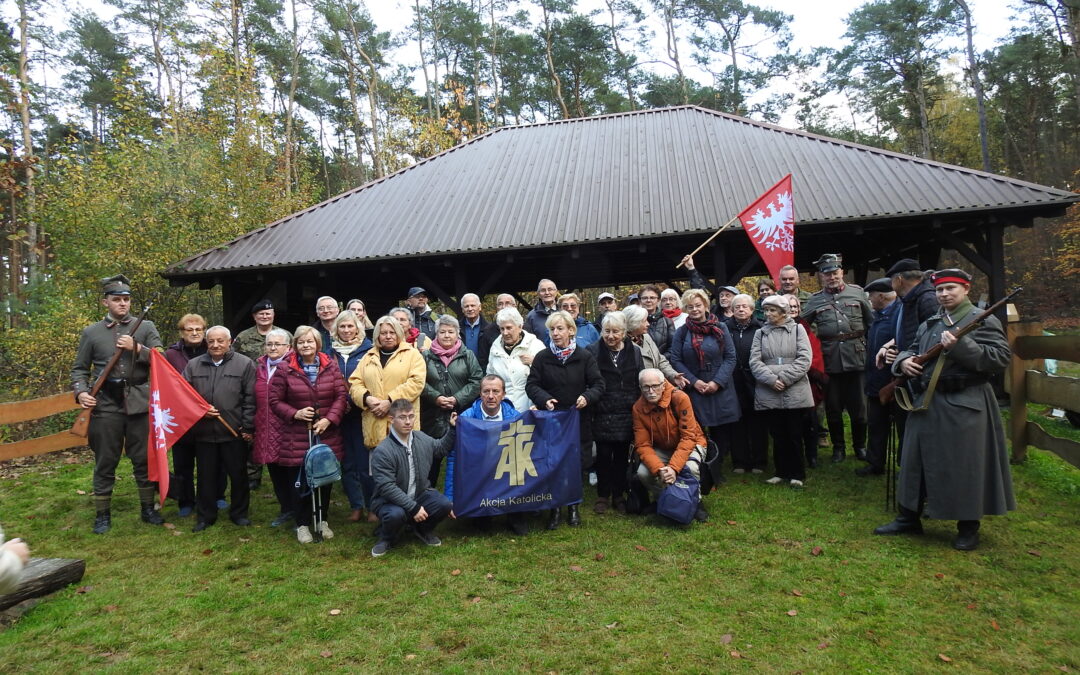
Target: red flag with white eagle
<point x="174" y="407"/>
<point x="770" y="224"/>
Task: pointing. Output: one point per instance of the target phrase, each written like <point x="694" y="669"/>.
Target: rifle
<point x="82" y="422"/>
<point x="886" y="394"/>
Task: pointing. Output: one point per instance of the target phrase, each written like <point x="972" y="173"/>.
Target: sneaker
<point x="775" y="480"/>
<point x="428" y="538"/>
<point x="281" y="519"/>
<point x="380" y="548"/>
<point x="325" y="530"/>
<point x="592" y="478"/>
<point x="740" y="471"/>
<point x="303" y="535"/>
<point x="797" y="484"/>
<point x="185" y="511"/>
<point x="222" y="504"/>
<point x="757" y="471"/>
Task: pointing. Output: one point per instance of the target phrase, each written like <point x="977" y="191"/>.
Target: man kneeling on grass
<point x="399" y="469"/>
<point x="667" y="436"/>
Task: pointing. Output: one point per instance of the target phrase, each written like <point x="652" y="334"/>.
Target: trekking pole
<point x="890" y="469"/>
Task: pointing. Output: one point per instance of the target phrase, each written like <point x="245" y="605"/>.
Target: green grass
<point x="618" y="594"/>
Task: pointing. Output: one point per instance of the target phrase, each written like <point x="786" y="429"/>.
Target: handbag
<point x="679" y="501"/>
<point x="710" y="467"/>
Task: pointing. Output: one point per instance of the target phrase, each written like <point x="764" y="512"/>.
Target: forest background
<point x="134" y="137"/>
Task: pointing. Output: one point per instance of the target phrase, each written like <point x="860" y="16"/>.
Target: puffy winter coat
<point x="461" y="379"/>
<point x="402" y="377"/>
<point x="612" y="418"/>
<point x="512" y="370"/>
<point x="550" y="378"/>
<point x="662" y="330"/>
<point x="268" y="426"/>
<point x="781" y="352"/>
<point x="586" y="332"/>
<point x="292" y="391"/>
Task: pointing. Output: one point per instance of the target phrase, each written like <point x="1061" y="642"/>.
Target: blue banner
<point x="529" y="463"/>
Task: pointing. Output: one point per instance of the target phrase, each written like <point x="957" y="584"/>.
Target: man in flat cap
<point x="879" y="417"/>
<point x="119" y="421"/>
<point x="953" y="459"/>
<point x="422" y="316"/>
<point x="840" y="315"/>
<point x="917" y="304"/>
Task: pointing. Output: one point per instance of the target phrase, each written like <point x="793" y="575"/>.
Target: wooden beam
<point x="960" y="246"/>
<point x="39" y="446"/>
<point x="431" y="287"/>
<point x="1060" y="347"/>
<point x="747" y="265"/>
<point x="995" y="251"/>
<point x="489" y="284"/>
<point x="22" y="411"/>
<point x="1060" y="392"/>
<point x="1065" y="448"/>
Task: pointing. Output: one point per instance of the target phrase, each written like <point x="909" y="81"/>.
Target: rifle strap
<point x="903" y="398"/>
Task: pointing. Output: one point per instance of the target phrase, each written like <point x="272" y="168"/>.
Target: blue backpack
<point x="321" y="467"/>
<point x="679" y="501"/>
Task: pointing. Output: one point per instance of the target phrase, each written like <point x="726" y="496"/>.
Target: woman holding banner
<point x="564" y="377"/>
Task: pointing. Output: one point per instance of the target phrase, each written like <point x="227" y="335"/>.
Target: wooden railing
<point x="24" y="411"/>
<point x="1031" y="385"/>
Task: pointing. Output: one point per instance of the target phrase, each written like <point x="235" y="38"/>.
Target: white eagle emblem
<point x="775" y="229"/>
<point x="164" y="422"/>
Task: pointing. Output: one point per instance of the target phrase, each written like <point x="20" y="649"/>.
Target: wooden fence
<point x="1029" y="384"/>
<point x="24" y="411"/>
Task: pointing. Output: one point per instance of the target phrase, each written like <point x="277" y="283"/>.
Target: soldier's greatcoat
<point x="957" y="445"/>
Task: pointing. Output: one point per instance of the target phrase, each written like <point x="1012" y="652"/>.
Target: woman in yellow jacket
<point x="393" y="369"/>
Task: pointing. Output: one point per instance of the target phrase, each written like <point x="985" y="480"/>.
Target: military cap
<point x="903" y="265"/>
<point x="883" y="285"/>
<point x="829" y="262"/>
<point x="118" y="285"/>
<point x="261" y="305"/>
<point x="416" y="290"/>
<point x="950" y="276"/>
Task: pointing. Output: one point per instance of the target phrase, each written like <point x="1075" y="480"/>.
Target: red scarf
<point x="699" y="330"/>
<point x="413" y="333"/>
<point x="672" y="313"/>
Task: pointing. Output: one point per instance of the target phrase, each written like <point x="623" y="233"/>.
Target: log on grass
<point x="42" y="576"/>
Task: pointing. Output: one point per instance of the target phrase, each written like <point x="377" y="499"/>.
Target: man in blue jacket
<point x="879" y="417"/>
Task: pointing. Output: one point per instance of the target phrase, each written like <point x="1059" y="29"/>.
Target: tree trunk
<point x="42" y="576"/>
<point x="496" y="111"/>
<point x="551" y="63"/>
<point x="976" y="85"/>
<point x="627" y="77"/>
<point x="30" y="201"/>
<point x="432" y="110"/>
<point x="673" y="48"/>
<point x="290" y="104"/>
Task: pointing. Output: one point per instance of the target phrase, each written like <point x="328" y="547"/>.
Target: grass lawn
<point x="779" y="581"/>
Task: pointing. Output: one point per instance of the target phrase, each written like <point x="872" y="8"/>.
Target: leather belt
<point x="843" y="336"/>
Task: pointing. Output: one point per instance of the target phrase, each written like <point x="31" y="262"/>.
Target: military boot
<point x="555" y="518"/>
<point x="148" y="513"/>
<point x="103" y="519"/>
<point x="967" y="535"/>
<point x="907" y="522"/>
<point x="573" y="515"/>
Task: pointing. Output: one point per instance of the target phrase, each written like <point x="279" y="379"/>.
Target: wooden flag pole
<point x="229" y="427"/>
<point x="714" y="236"/>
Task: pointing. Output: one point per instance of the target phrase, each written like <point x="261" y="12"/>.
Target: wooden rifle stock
<point x="82" y="423"/>
<point x="888" y="392"/>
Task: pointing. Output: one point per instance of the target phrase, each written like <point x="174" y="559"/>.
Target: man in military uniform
<point x="250" y="343"/>
<point x="119" y="421"/>
<point x="789" y="283"/>
<point x="840" y="315"/>
<point x="954" y="459"/>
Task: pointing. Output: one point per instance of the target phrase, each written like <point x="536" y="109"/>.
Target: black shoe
<point x="281" y="519"/>
<point x="702" y="516"/>
<point x="838" y="455"/>
<point x="518" y="524"/>
<point x="869" y="470"/>
<point x="967" y="535"/>
<point x="573" y="515"/>
<point x="811" y="462"/>
<point x="907" y="522"/>
<point x="241" y="522"/>
<point x="149" y="515"/>
<point x="554" y="519"/>
<point x="102" y="522"/>
<point x="200" y="526"/>
<point x="860" y="454"/>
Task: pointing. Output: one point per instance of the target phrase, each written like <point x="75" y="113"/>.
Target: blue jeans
<point x="392" y="518"/>
<point x="356" y="469"/>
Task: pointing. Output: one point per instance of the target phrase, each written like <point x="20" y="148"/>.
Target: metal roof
<point x="624" y="176"/>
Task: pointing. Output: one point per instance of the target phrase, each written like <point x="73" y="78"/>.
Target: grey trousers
<point x="111" y="434"/>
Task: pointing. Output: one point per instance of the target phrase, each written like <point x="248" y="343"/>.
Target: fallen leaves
<point x="80" y="492"/>
<point x="735" y="654"/>
<point x="994" y="625"/>
<point x="793" y="612"/>
<point x="1035" y="553"/>
<point x="823" y="645"/>
<point x="244" y="540"/>
<point x="83" y="589"/>
<point x="944" y="658"/>
<point x="475" y="599"/>
<point x="455" y="573"/>
<point x="939" y="575"/>
<point x="169" y="526"/>
<point x="725" y="639"/>
<point x="575" y="568"/>
<point x="640" y="547"/>
<point x="410" y="657"/>
<point x="326" y="653"/>
<point x="731" y="522"/>
<point x="335" y="612"/>
<point x="598" y="557"/>
<point x="612" y="625"/>
<point x="796" y="592"/>
<point x="817" y="550"/>
<point x="489" y="576"/>
<point x="207" y="551"/>
<point x="423" y="593"/>
<point x="110" y="608"/>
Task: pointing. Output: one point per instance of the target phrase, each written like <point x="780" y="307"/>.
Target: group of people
<point x="656" y="383"/>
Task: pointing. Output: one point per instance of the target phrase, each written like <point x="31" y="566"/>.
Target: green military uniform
<point x="250" y="342"/>
<point x="840" y="320"/>
<point x="119" y="422"/>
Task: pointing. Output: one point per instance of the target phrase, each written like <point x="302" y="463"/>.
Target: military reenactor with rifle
<point x="116" y="352"/>
<point x="953" y="460"/>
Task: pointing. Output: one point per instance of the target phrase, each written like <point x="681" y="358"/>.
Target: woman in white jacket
<point x="779" y="359"/>
<point x="511" y="356"/>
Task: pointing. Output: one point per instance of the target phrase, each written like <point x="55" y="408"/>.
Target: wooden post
<point x="1018" y="432"/>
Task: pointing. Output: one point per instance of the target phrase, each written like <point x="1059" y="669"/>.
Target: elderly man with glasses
<point x="667" y="437"/>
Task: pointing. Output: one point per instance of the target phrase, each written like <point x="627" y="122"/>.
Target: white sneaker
<point x="325" y="530"/>
<point x="738" y="471"/>
<point x="796" y="483"/>
<point x="775" y="480"/>
<point x="303" y="535"/>
<point x="592" y="478"/>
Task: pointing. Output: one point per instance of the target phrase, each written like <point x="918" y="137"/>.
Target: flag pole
<point x="714" y="236"/>
<point x="231" y="430"/>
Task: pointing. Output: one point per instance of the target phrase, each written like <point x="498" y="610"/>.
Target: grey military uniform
<point x="250" y="342"/>
<point x="840" y="321"/>
<point x="119" y="422"/>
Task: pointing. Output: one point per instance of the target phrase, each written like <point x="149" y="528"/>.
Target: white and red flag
<point x="770" y="224"/>
<point x="175" y="407"/>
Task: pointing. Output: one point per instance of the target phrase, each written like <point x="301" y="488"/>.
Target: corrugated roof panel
<point x="674" y="170"/>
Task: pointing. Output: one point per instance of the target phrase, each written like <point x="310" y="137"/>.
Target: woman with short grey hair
<point x="511" y="356"/>
<point x="637" y="327"/>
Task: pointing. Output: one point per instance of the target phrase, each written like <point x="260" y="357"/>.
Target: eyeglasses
<point x="193" y="330"/>
<point x="652" y="387"/>
<point x="275" y="345"/>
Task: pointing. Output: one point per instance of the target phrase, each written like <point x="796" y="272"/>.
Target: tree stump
<point x="42" y="576"/>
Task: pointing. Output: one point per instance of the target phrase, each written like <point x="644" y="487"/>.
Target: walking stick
<point x="890" y="468"/>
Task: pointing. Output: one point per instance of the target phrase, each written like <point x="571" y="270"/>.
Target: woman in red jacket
<point x="311" y="392"/>
<point x="818" y="379"/>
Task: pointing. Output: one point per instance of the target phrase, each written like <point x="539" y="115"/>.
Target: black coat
<point x="613" y="418"/>
<point x="919" y="304"/>
<point x="743" y="377"/>
<point x="661" y="330"/>
<point x="550" y="378"/>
